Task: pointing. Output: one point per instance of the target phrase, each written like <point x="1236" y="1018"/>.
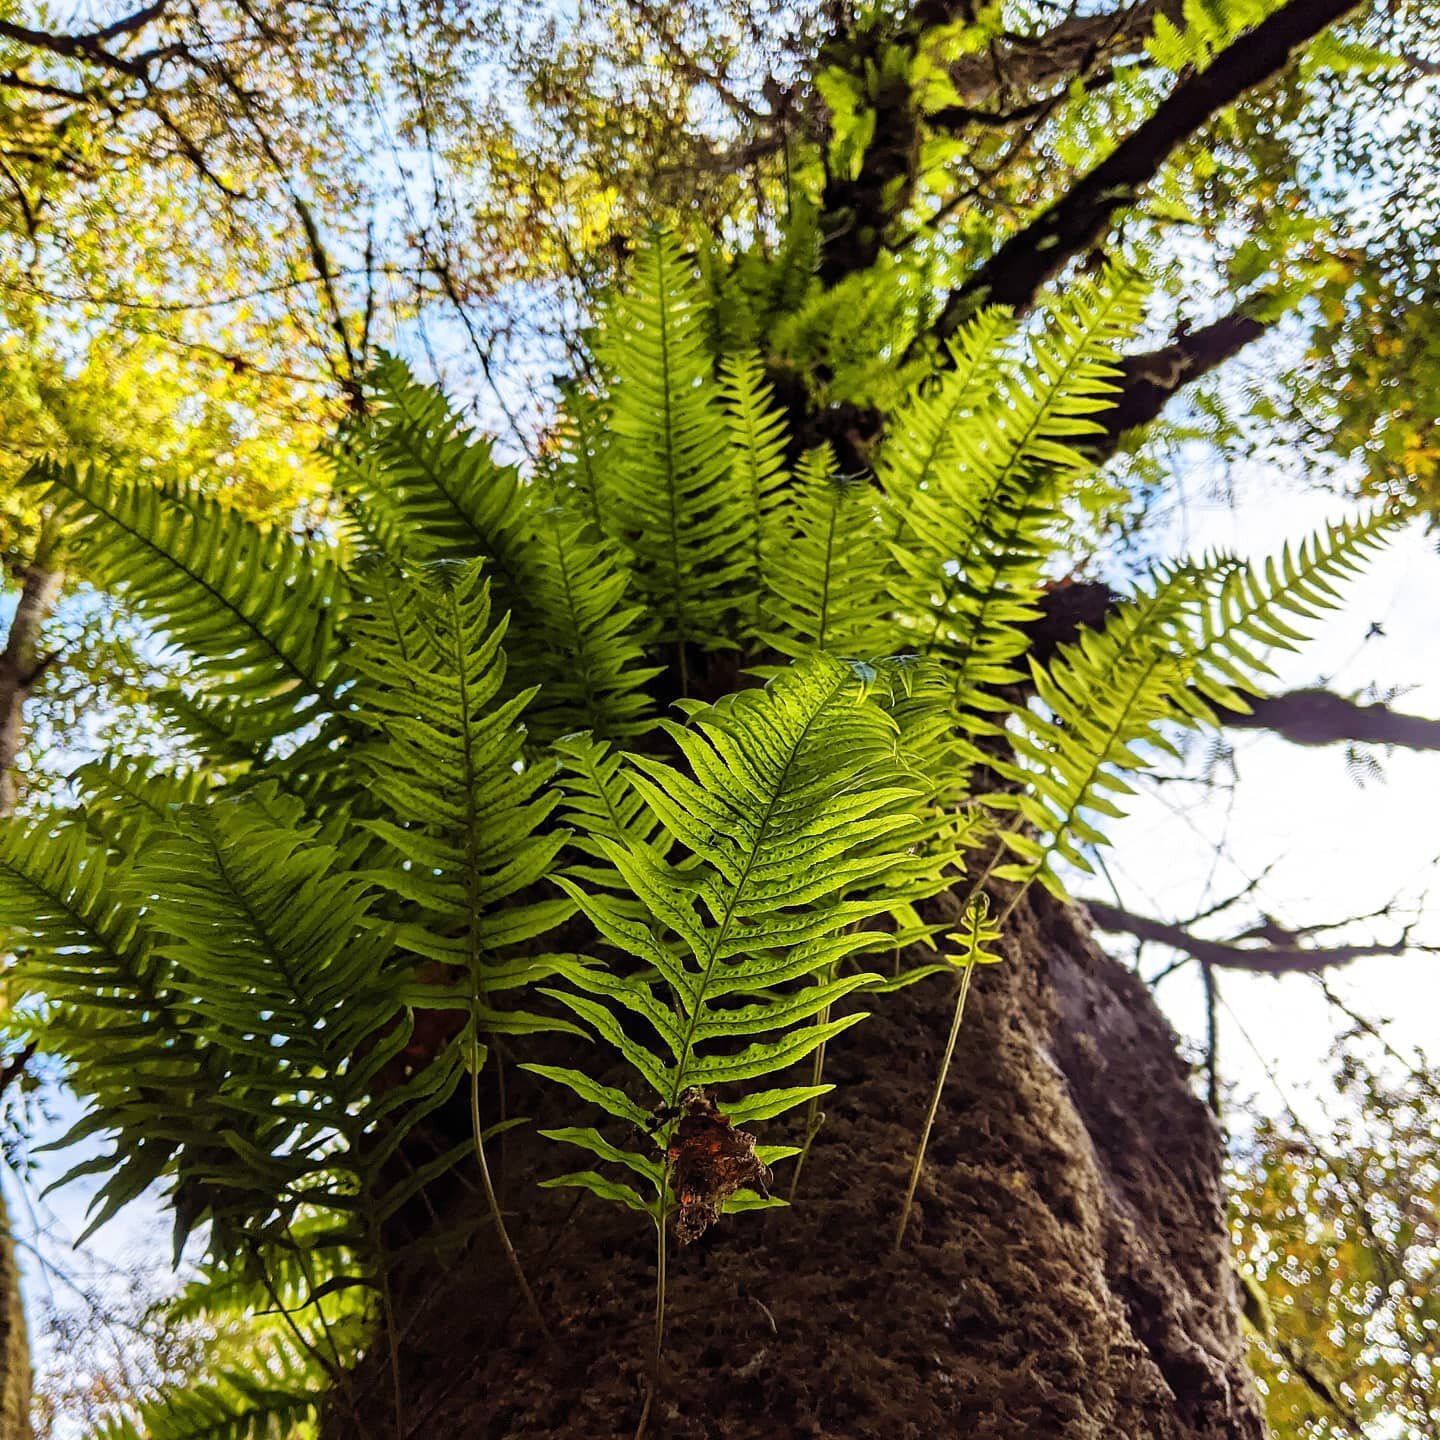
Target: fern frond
<point x="1258" y="607"/>
<point x="219" y="733"/>
<point x="781" y="825"/>
<point x="583" y="434"/>
<point x="446" y="764"/>
<point x="125" y="799"/>
<point x="758" y="437"/>
<point x="601" y="804"/>
<point x="254" y="608"/>
<point x="434" y="482"/>
<point x="272" y="934"/>
<point x="669" y="469"/>
<point x="589" y="632"/>
<point x="827" y="585"/>
<point x="975" y="536"/>
<point x="115" y="1008"/>
<point x="1100" y="704"/>
<point x="281" y="1389"/>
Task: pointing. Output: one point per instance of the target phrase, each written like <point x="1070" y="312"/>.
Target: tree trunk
<point x="20" y="668"/>
<point x="1066" y="1272"/>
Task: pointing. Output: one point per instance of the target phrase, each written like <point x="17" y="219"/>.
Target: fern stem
<point x="392" y="1335"/>
<point x="656" y="1358"/>
<point x="491" y="1198"/>
<point x="814" y="1118"/>
<point x="934" y="1106"/>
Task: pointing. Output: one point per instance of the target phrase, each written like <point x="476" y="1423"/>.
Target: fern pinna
<point x="416" y="747"/>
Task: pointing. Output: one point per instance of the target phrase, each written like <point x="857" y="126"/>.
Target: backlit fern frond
<point x="675" y="502"/>
<point x="777" y="828"/>
<point x="589" y="631"/>
<point x="1100" y="705"/>
<point x="827" y="584"/>
<point x="434" y="482"/>
<point x="114" y="1006"/>
<point x="446" y="766"/>
<point x="281" y="1389"/>
<point x="287" y="970"/>
<point x="758" y="436"/>
<point x="975" y="534"/>
<point x="125" y="799"/>
<point x="1263" y="606"/>
<point x="601" y="804"/>
<point x="583" y="433"/>
<point x="254" y="608"/>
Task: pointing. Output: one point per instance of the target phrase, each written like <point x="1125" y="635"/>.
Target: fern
<point x="254" y="609"/>
<point x="126" y="799"/>
<point x="1099" y="702"/>
<point x="1205" y="28"/>
<point x="272" y="933"/>
<point x="426" y="484"/>
<point x="974" y="539"/>
<point x="791" y="794"/>
<point x="759" y="436"/>
<point x="674" y="499"/>
<point x="590" y="631"/>
<point x="280" y="1389"/>
<point x="446" y="766"/>
<point x="113" y="1004"/>
<point x="827" y="584"/>
<point x="1260" y="607"/>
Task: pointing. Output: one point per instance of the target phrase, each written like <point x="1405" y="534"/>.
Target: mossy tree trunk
<point x="1066" y="1273"/>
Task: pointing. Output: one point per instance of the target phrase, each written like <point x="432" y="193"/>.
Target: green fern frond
<point x="1205" y="28"/>
<point x="125" y="799"/>
<point x="1100" y="705"/>
<point x="601" y="804"/>
<point x="669" y="469"/>
<point x="758" y="436"/>
<point x="281" y="1389"/>
<point x="975" y="536"/>
<point x="1259" y="607"/>
<point x="254" y="608"/>
<point x="583" y="436"/>
<point x="827" y="583"/>
<point x="114" y="1007"/>
<point x="921" y="438"/>
<point x="288" y="973"/>
<point x="589" y="632"/>
<point x="433" y="481"/>
<point x="780" y="826"/>
<point x="446" y="764"/>
<point x="218" y="733"/>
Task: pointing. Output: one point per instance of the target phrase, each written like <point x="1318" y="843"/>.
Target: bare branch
<point x="1149" y="380"/>
<point x="1320" y="717"/>
<point x="1226" y="955"/>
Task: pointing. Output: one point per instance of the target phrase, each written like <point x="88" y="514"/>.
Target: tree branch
<point x="1320" y="717"/>
<point x="21" y="667"/>
<point x="1015" y="274"/>
<point x="1260" y="959"/>
<point x="1149" y="380"/>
